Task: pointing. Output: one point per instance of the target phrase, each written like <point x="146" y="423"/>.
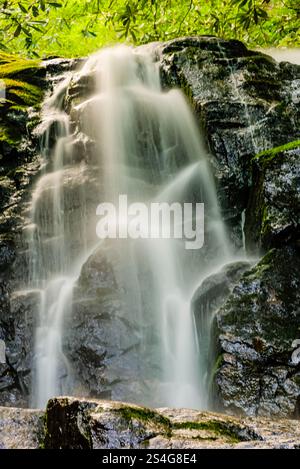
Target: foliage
<point x="78" y="27"/>
<point x="16" y="94"/>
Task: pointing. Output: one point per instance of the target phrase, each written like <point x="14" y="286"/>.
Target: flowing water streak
<point x="148" y="146"/>
<point x="49" y="259"/>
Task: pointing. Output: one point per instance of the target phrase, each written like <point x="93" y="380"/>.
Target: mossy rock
<point x="266" y="157"/>
<point x="256" y="329"/>
<point x="273" y="213"/>
<point x="22" y="80"/>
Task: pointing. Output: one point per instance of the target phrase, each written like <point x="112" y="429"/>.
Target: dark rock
<point x="7" y="189"/>
<point x="208" y="298"/>
<point x="214" y="290"/>
<point x="256" y="329"/>
<point x="244" y="100"/>
<point x="17" y="326"/>
<point x="246" y="103"/>
<point x="86" y="424"/>
<point x="101" y="340"/>
<point x="7" y="253"/>
<point x="273" y="214"/>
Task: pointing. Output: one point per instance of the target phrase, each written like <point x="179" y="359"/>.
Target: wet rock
<point x="245" y="101"/>
<point x="80" y="190"/>
<point x="20" y="163"/>
<point x="101" y="338"/>
<point x="21" y="428"/>
<point x="17" y="326"/>
<point x="7" y="253"/>
<point x="2" y="352"/>
<point x="273" y="214"/>
<point x="7" y="188"/>
<point x="73" y="423"/>
<point x="208" y="298"/>
<point x="214" y="290"/>
<point x="256" y="329"/>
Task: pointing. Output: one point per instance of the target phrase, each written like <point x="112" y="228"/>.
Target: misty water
<point x="149" y="147"/>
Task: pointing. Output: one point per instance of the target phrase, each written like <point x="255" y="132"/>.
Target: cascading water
<point x="147" y="146"/>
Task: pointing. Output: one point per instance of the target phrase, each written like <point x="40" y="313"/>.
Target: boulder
<point x="256" y="329"/>
<point x="21" y="428"/>
<point x="73" y="423"/>
<point x="214" y="290"/>
<point x="101" y="337"/>
<point x="207" y="299"/>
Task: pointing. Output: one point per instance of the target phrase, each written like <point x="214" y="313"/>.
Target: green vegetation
<point x="79" y="27"/>
<point x="147" y="416"/>
<point x="267" y="156"/>
<point x="18" y="93"/>
<point x="217" y="428"/>
<point x="144" y="414"/>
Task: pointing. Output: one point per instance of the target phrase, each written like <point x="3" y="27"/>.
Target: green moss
<point x="11" y="64"/>
<point x="11" y="68"/>
<point x="144" y="415"/>
<point x="45" y="432"/>
<point x="219" y="429"/>
<point x="8" y="135"/>
<point x="217" y="365"/>
<point x="21" y="92"/>
<point x="267" y="156"/>
<point x="166" y="427"/>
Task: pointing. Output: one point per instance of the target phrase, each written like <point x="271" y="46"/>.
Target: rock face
<point x="101" y="343"/>
<point x="20" y="163"/>
<point x="102" y="340"/>
<point x="21" y="428"/>
<point x="247" y="104"/>
<point x="257" y="327"/>
<point x="86" y="424"/>
<point x="207" y="299"/>
<point x="245" y="101"/>
<point x="215" y="288"/>
<point x="273" y="213"/>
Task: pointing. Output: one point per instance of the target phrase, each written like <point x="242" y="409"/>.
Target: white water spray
<point x="148" y="146"/>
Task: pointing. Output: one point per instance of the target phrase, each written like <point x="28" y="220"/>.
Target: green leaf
<point x="36" y="28"/>
<point x="133" y="35"/>
<point x="55" y="4"/>
<point x="18" y="30"/>
<point x="35" y="11"/>
<point x="262" y="13"/>
<point x="28" y="42"/>
<point x="35" y="54"/>
<point x="25" y="31"/>
<point x="255" y="16"/>
<point x="22" y="8"/>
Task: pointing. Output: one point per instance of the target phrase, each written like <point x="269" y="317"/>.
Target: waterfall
<point x="147" y="145"/>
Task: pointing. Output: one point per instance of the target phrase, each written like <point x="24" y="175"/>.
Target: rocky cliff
<point x="249" y="108"/>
